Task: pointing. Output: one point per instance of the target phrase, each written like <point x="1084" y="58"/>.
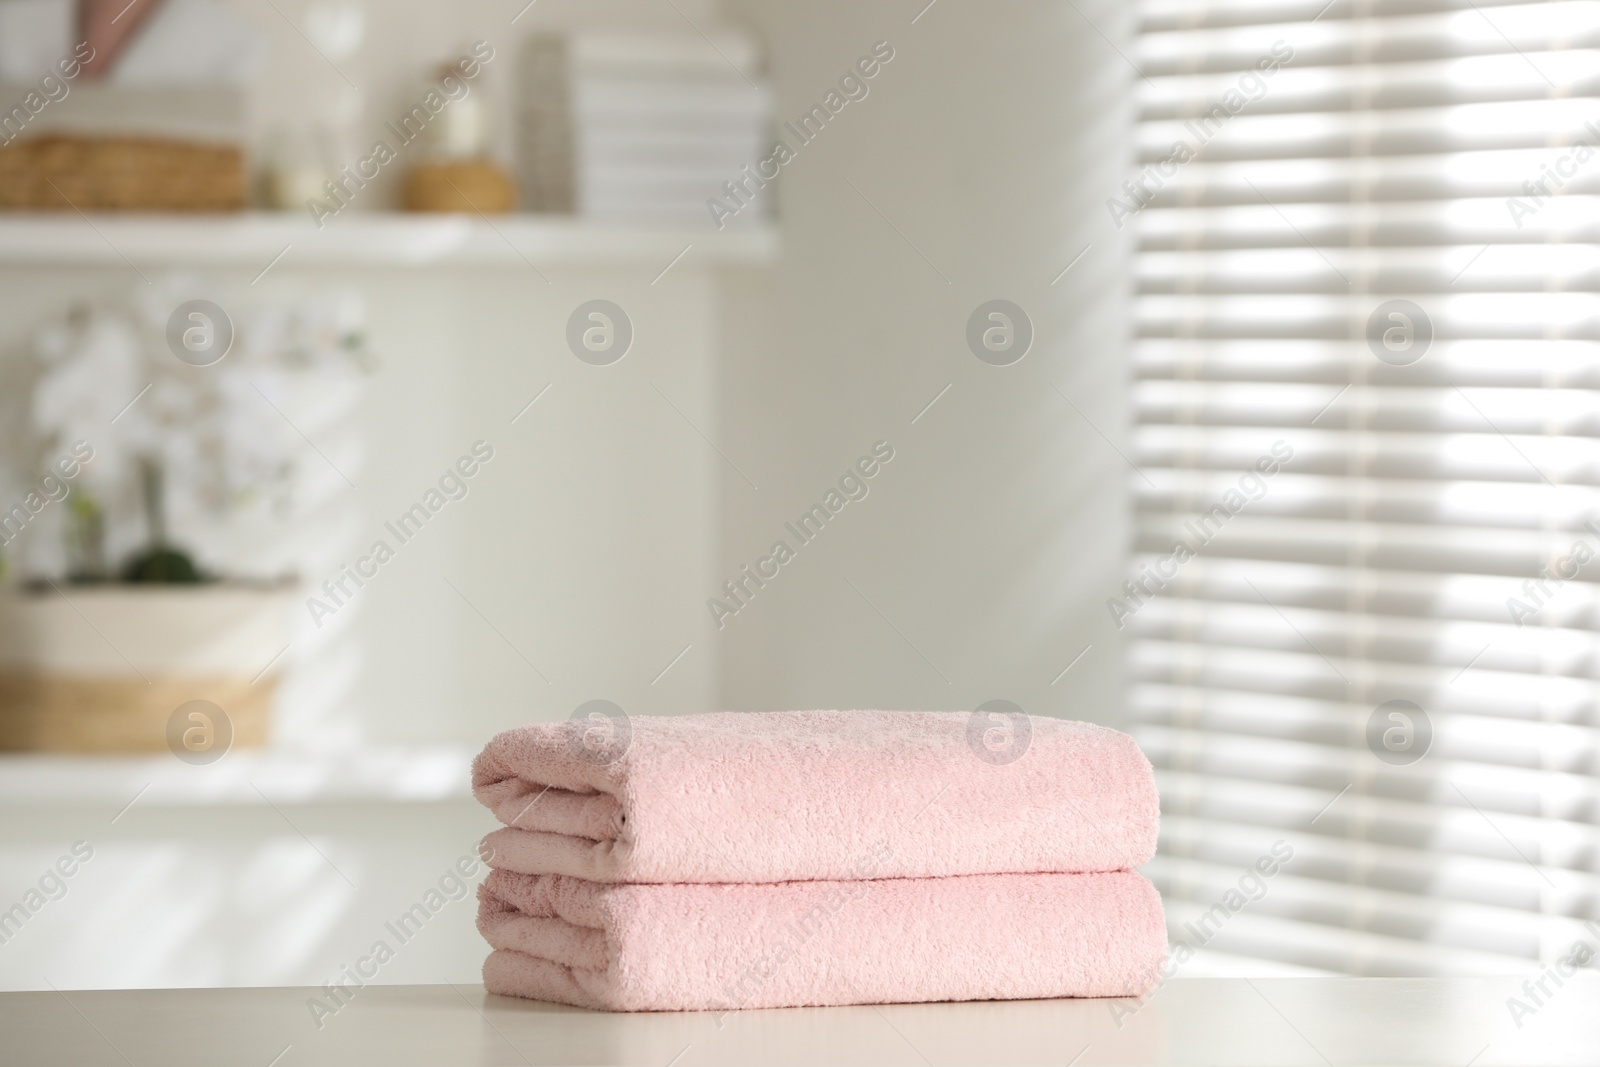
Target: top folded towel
<point x="810" y="795"/>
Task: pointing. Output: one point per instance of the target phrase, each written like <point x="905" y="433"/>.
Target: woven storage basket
<point x="105" y="670"/>
<point x="60" y="713"/>
<point x="120" y="174"/>
<point x="460" y="187"/>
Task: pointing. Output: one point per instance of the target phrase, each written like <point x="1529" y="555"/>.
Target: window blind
<point x="1367" y="357"/>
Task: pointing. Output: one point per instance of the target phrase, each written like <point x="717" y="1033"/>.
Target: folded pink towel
<point x="780" y="796"/>
<point x="790" y="944"/>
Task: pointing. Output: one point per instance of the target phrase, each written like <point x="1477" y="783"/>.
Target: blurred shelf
<point x="244" y="776"/>
<point x="254" y="240"/>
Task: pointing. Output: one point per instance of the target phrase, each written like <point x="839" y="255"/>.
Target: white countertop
<point x="1268" y="1021"/>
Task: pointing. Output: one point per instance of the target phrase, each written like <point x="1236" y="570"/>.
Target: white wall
<point x="990" y="142"/>
<point x="584" y="542"/>
<point x="589" y="537"/>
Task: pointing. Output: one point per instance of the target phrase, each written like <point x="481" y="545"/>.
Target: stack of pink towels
<point x="752" y="860"/>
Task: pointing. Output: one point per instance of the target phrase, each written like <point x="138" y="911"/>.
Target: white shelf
<point x="244" y="776"/>
<point x="252" y="241"/>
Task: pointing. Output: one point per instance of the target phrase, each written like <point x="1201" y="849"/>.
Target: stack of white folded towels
<point x="640" y="126"/>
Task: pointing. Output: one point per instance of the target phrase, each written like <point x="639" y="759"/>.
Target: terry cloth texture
<point x="710" y="947"/>
<point x="807" y="795"/>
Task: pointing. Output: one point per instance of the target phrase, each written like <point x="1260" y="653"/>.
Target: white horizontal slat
<point x="1534" y="651"/>
<point x="1440" y="598"/>
<point x="1463" y="31"/>
<point x="1558" y="364"/>
<point x="1552" y="411"/>
<point x="1295" y="87"/>
<point x="1159" y="15"/>
<point x="1313" y="675"/>
<point x="1260" y="134"/>
<point x="1503" y="315"/>
<point x="1375" y="454"/>
<point x="1387" y="546"/>
<point x="1208" y="181"/>
<point x="1468" y="222"/>
<point x="1511" y="268"/>
<point x="1226" y="677"/>
<point x="1171" y="496"/>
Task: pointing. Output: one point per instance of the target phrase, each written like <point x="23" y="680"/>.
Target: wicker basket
<point x="62" y="713"/>
<point x="105" y="670"/>
<point x="461" y="187"/>
<point x="120" y="174"/>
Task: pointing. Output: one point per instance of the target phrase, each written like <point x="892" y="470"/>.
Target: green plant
<point x="160" y="562"/>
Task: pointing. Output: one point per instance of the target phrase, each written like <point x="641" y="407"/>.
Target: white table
<point x="1276" y="1021"/>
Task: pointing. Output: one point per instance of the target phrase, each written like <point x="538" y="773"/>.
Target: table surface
<point x="1276" y="1021"/>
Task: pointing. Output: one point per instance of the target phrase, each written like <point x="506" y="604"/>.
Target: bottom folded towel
<point x="676" y="947"/>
